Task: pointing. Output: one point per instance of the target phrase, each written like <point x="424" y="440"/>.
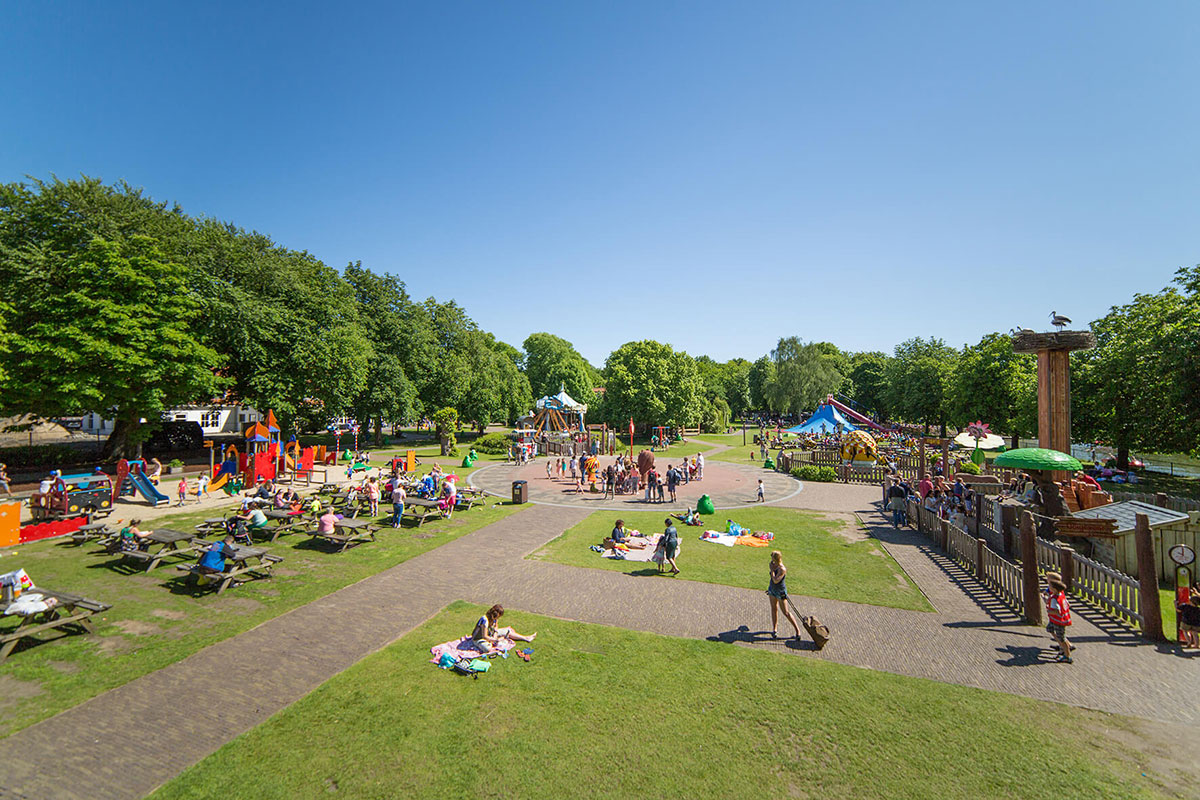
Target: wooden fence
<point x="1112" y="591"/>
<point x="1183" y="504"/>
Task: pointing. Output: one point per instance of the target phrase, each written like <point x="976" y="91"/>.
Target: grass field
<point x="604" y="712"/>
<point x="155" y="619"/>
<point x="820" y="561"/>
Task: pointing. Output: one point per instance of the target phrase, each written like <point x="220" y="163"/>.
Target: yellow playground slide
<point x="219" y="482"/>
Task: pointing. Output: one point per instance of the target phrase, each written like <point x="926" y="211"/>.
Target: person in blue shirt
<point x="212" y="562"/>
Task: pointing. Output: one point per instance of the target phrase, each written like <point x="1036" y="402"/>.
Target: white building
<point x="212" y="419"/>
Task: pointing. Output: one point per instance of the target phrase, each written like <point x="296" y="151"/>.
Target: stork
<point x="1019" y="331"/>
<point x="1058" y="320"/>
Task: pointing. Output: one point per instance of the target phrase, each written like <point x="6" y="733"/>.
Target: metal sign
<point x="1182" y="555"/>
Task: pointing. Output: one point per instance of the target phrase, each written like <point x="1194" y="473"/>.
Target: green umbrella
<point x="1038" y="458"/>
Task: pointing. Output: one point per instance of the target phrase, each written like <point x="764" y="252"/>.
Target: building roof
<point x="1124" y="513"/>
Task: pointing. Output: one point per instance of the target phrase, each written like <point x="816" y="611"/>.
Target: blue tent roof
<point x="825" y="419"/>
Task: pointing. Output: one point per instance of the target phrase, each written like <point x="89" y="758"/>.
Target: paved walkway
<point x="729" y="486"/>
<point x="970" y="640"/>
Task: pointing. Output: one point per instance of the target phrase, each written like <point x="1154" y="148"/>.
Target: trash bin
<point x="520" y="492"/>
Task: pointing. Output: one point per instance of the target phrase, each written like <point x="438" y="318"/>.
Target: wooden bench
<point x="420" y="509"/>
<point x="248" y="561"/>
<point x="70" y="610"/>
<point x="347" y="533"/>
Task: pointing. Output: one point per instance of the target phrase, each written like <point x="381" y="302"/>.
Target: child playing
<point x="761" y="497"/>
<point x="1058" y="609"/>
<point x="202" y="486"/>
<point x="1189" y="620"/>
<point x="183" y="490"/>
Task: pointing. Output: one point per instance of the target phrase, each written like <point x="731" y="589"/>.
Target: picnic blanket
<point x="465" y="648"/>
<point x="717" y="537"/>
<point x="635" y="554"/>
<point x="751" y="541"/>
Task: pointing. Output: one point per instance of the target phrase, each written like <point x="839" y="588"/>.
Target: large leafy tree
<point x="288" y="324"/>
<point x="918" y="377"/>
<point x="104" y="326"/>
<point x="496" y="389"/>
<point x="868" y="382"/>
<point x="1126" y="385"/>
<point x="992" y="383"/>
<point x="759" y="378"/>
<point x="552" y="363"/>
<point x="388" y="394"/>
<point x="737" y="386"/>
<point x="652" y="384"/>
<point x="805" y="373"/>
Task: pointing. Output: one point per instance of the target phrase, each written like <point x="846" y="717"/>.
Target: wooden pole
<point x="1152" y="627"/>
<point x="921" y="462"/>
<point x="946" y="460"/>
<point x="1029" y="571"/>
<point x="1067" y="557"/>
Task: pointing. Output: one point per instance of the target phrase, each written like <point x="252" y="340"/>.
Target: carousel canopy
<point x="826" y="419"/>
<point x="561" y="402"/>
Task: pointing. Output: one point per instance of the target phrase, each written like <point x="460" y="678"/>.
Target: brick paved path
<point x="729" y="486"/>
<point x="970" y="640"/>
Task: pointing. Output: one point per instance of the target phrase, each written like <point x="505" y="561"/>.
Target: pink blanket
<point x="464" y="648"/>
<point x="638" y="554"/>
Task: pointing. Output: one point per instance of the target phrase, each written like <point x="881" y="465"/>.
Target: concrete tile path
<point x="84" y="752"/>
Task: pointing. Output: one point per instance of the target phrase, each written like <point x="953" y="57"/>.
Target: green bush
<point x="807" y="472"/>
<point x="495" y="443"/>
<point x="969" y="467"/>
<point x="174" y="462"/>
<point x="827" y="474"/>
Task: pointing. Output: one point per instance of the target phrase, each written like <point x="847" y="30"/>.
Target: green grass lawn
<point x="155" y="620"/>
<point x="820" y="562"/>
<point x="605" y="712"/>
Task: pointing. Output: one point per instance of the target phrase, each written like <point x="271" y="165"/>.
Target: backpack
<point x="818" y="631"/>
<point x="471" y="666"/>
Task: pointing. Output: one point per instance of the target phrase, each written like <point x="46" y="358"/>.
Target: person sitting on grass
<point x="620" y="537"/>
<point x="487" y="635"/>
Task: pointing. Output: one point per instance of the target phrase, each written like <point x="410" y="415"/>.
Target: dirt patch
<point x="268" y="592"/>
<point x="65" y="667"/>
<point x="284" y="572"/>
<point x="1165" y="752"/>
<point x="241" y="604"/>
<point x="113" y="645"/>
<point x="422" y="535"/>
<point x="850" y="529"/>
<point x="13" y="691"/>
<point x="137" y="627"/>
<point x="165" y="613"/>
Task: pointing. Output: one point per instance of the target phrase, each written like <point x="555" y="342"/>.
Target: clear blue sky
<point x="860" y="173"/>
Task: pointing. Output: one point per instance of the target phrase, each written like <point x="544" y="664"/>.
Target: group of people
<point x="954" y="500"/>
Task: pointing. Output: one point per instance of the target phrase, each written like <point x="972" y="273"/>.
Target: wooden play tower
<point x="1054" y="383"/>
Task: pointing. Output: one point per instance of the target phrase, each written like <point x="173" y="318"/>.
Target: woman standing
<point x="777" y="591"/>
<point x="670" y="543"/>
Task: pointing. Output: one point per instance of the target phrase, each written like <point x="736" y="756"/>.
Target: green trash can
<point x="705" y="505"/>
<point x="768" y="464"/>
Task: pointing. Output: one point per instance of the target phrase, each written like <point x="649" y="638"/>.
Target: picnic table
<point x="70" y="609"/>
<point x="421" y="509"/>
<point x="328" y="488"/>
<point x="347" y="533"/>
<point x="92" y="530"/>
<point x="211" y="525"/>
<point x="171" y="543"/>
<point x="285" y="522"/>
<point x="254" y="562"/>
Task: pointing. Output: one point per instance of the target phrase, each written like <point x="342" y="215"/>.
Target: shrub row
<point x="496" y="444"/>
<point x="813" y="473"/>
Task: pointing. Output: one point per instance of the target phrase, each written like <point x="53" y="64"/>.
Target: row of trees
<point x="112" y="302"/>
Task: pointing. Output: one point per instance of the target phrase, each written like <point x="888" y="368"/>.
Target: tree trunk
<point x="120" y="443"/>
<point x="445" y="443"/>
<point x="1123" y="457"/>
<point x="379" y="430"/>
<point x="1016" y="441"/>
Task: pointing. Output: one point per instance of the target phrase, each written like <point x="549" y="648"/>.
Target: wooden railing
<point x="1114" y="592"/>
<point x="1004" y="578"/>
<point x="1049" y="557"/>
<point x="962" y="547"/>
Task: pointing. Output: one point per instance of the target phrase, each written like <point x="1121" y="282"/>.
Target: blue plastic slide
<point x="148" y="490"/>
